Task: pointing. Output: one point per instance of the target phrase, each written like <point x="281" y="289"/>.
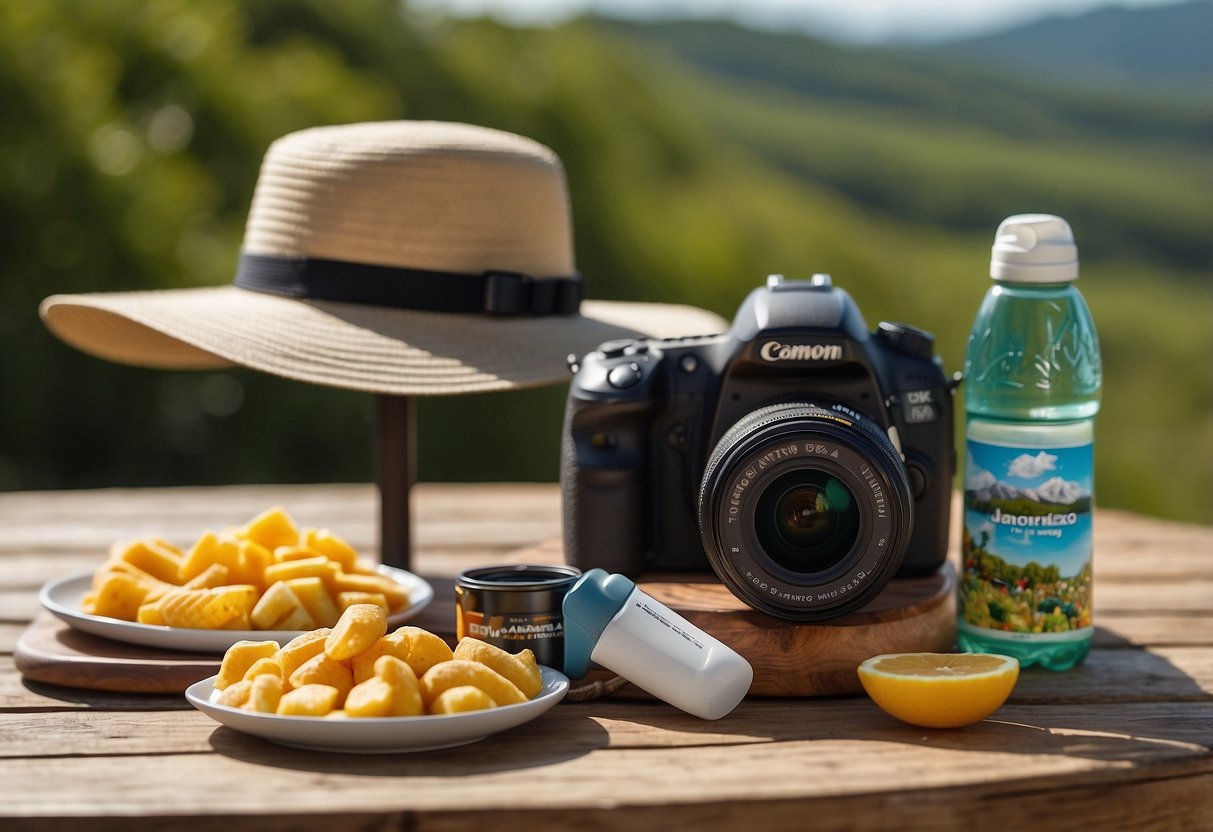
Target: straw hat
<point x="412" y="258"/>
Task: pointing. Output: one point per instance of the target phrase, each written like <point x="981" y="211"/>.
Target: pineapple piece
<point x="299" y="649"/>
<point x="239" y="658"/>
<point x="316" y="600"/>
<point x="332" y="547"/>
<point x="272" y="528"/>
<point x="309" y="700"/>
<point x="119" y="596"/>
<point x="275" y="604"/>
<point x="315" y="567"/>
<point x="157" y="561"/>
<point x="209" y="549"/>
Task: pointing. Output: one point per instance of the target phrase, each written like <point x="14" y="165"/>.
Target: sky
<point x="855" y="21"/>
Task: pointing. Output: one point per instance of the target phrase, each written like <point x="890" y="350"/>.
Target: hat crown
<point x="434" y="196"/>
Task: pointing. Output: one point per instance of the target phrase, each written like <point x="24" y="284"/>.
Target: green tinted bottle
<point x="1031" y="392"/>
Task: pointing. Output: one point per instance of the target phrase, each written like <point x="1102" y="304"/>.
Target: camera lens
<point x="805" y="511"/>
<point x="807" y="520"/>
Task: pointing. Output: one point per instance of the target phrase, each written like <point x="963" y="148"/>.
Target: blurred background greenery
<point x="701" y="156"/>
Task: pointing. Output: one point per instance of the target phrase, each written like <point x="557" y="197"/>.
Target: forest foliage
<point x="700" y="158"/>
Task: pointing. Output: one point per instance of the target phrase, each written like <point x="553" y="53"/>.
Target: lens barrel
<point x="805" y="512"/>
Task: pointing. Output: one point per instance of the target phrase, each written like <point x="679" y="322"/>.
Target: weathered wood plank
<point x="1160" y="730"/>
<point x="1160" y="805"/>
<point x="530" y="769"/>
<point x="1133" y="629"/>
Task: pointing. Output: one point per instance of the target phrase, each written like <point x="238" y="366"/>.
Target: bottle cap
<point x="588" y="608"/>
<point x="1034" y="248"/>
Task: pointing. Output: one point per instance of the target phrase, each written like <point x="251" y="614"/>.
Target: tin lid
<point x="518" y="577"/>
<point x="588" y="608"/>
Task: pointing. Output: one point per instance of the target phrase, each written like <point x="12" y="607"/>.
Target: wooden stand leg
<point x="395" y="473"/>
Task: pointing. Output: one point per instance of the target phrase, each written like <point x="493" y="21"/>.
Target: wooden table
<point x="1123" y="742"/>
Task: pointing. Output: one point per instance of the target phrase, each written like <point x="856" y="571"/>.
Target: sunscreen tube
<point x="609" y="621"/>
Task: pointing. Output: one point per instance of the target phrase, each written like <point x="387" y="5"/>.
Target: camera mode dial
<point x="908" y="339"/>
<point x="622" y="376"/>
<point x="617" y="369"/>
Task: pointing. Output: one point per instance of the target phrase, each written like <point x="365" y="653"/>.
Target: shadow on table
<point x="559" y="735"/>
<point x="106" y="700"/>
<point x="1121" y="705"/>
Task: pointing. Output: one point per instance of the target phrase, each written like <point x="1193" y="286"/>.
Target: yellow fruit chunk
<point x="207" y="551"/>
<point x="359" y="627"/>
<point x="459" y="672"/>
<point x="276" y="604"/>
<point x="265" y="694"/>
<point x="406" y="690"/>
<point x="252" y="560"/>
<point x="316" y="600"/>
<point x="199" y="609"/>
<point x="520" y="668"/>
<point x="235" y="695"/>
<point x="332" y="547"/>
<point x="322" y="670"/>
<point x="424" y="649"/>
<point x="161" y="563"/>
<point x="118" y="595"/>
<point x="272" y="528"/>
<point x="214" y="575"/>
<point x="348" y="599"/>
<point x="239" y="658"/>
<point x="287" y="553"/>
<point x="393" y="644"/>
<point x="463" y="698"/>
<point x="298" y="619"/>
<point x="263" y="667"/>
<point x="397" y="596"/>
<point x="317" y="567"/>
<point x="309" y="700"/>
<point x="299" y="649"/>
<point x="150" y="614"/>
<point x="239" y="597"/>
<point x="369" y="699"/>
<point x="939" y="690"/>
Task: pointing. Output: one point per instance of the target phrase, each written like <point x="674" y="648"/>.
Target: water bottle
<point x="1032" y="382"/>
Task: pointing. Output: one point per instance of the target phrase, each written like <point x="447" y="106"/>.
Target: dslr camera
<point x="803" y="458"/>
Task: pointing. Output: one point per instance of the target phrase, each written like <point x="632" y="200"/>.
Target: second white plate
<point x="62" y="597"/>
<point x="383" y="735"/>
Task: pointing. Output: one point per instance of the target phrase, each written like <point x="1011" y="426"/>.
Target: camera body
<point x="802" y="457"/>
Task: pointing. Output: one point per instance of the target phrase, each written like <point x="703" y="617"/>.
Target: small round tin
<point x="516" y="607"/>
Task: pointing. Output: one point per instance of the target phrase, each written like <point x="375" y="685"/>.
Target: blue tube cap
<point x="588" y="608"/>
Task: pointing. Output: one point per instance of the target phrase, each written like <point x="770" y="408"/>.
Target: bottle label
<point x="1026" y="547"/>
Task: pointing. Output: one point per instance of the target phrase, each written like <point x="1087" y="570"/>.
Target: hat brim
<point x="353" y="346"/>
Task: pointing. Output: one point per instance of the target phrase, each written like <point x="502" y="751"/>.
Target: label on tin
<point x="1026" y="547"/>
<point x="511" y="628"/>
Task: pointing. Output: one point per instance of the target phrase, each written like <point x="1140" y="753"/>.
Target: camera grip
<point x="602" y="484"/>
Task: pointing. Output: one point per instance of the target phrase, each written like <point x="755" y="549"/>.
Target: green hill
<point x="1161" y="45"/>
<point x="700" y="158"/>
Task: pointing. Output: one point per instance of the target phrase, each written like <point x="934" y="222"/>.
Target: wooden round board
<point x="818" y="659"/>
<point x="50" y="651"/>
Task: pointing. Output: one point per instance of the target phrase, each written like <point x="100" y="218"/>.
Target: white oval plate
<point x="62" y="597"/>
<point x="380" y="735"/>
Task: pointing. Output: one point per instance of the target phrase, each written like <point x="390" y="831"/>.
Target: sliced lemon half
<point x="939" y="690"/>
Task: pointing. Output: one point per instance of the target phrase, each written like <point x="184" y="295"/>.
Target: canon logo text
<point x="775" y="351"/>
